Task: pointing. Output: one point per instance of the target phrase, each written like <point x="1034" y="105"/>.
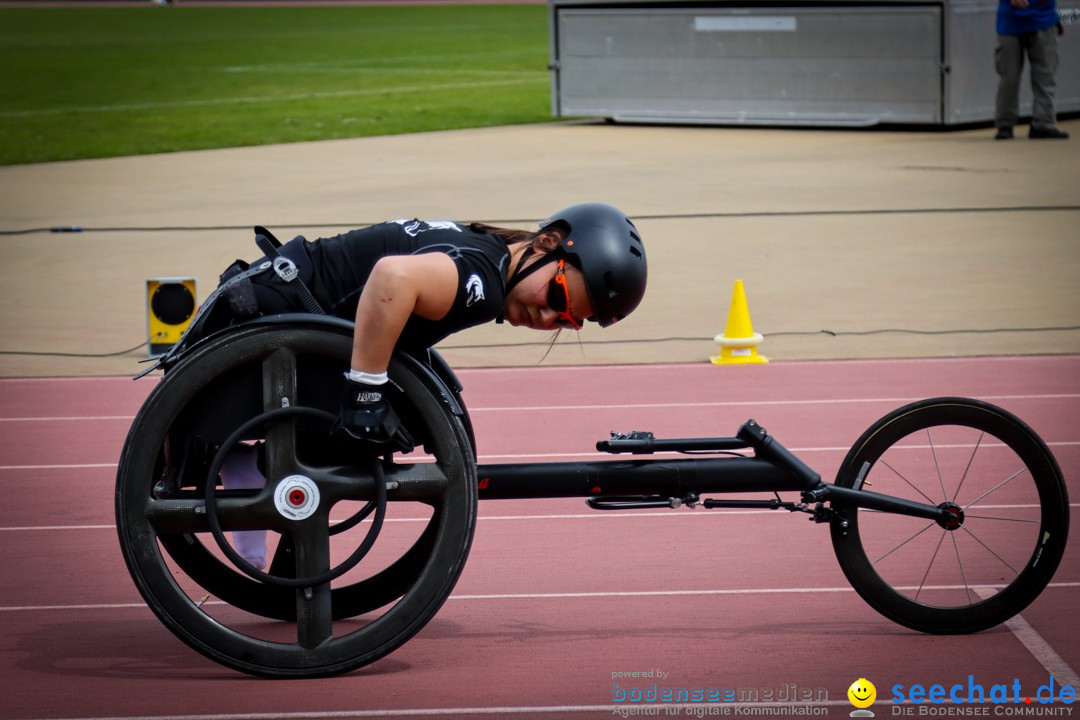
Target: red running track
<point x="555" y="598"/>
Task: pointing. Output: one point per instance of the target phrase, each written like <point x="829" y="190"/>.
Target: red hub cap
<point x="954" y="516"/>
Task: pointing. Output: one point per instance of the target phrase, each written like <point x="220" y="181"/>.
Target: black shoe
<point x="1049" y="133"/>
<point x="1004" y="133"/>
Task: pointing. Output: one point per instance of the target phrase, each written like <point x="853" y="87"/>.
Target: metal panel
<point x="832" y="62"/>
<point x="971" y="83"/>
<point x="818" y="65"/>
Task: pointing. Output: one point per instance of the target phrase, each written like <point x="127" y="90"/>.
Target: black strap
<point x="520" y="274"/>
<point x="286" y="270"/>
<point x="266" y="242"/>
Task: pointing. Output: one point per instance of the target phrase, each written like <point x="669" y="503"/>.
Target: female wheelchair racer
<point x="254" y="380"/>
<point x="254" y="391"/>
<point x="411" y="283"/>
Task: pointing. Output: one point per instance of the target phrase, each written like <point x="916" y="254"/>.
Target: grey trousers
<point x="1041" y="49"/>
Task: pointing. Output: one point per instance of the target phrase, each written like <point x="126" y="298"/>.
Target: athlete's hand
<point x="367" y="415"/>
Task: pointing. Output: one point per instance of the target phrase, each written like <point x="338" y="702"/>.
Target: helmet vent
<point x="635" y="236"/>
<point x="635" y="251"/>
<point x="609" y="282"/>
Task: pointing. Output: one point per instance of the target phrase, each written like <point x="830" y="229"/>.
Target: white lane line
<point x="51" y="528"/>
<point x="1030" y="638"/>
<point x="68" y="418"/>
<point x="565" y="596"/>
<point x="1016" y="361"/>
<point x="670" y="455"/>
<point x="627" y="406"/>
<point x="661" y="514"/>
<point x="573" y="456"/>
<point x="532" y="371"/>
<point x="594" y="515"/>
<point x="753" y="403"/>
<point x="101" y="606"/>
<point x="71" y="379"/>
<point x="79" y="466"/>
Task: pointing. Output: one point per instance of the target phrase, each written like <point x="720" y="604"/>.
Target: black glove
<point x="367" y="415"/>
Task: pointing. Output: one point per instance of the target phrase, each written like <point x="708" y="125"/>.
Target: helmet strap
<point x="519" y="274"/>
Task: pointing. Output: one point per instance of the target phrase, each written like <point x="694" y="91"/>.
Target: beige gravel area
<point x="850" y="231"/>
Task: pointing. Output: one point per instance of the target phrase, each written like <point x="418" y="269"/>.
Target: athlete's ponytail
<point x="507" y="235"/>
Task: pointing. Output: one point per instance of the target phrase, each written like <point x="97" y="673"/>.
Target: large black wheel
<point x="363" y="550"/>
<point x="1007" y="521"/>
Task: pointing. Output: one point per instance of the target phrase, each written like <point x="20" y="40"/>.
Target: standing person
<point x="1027" y="27"/>
<point x="408" y="284"/>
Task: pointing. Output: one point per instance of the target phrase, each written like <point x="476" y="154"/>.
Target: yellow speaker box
<point x="170" y="306"/>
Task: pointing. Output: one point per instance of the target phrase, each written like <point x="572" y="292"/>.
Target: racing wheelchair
<point x="365" y="548"/>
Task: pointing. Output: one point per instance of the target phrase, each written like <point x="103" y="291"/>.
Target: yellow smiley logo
<point x="862" y="693"/>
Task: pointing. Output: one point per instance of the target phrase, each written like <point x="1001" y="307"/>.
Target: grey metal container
<point x="773" y="63"/>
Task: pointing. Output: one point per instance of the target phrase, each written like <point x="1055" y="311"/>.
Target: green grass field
<point x="99" y="82"/>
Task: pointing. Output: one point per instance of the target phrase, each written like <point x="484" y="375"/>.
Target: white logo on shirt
<point x="415" y="227"/>
<point x="474" y="288"/>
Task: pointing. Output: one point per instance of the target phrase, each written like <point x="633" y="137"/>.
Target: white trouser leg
<point x="240" y="471"/>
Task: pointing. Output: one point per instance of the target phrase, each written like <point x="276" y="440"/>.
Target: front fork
<point x="815" y="492"/>
<point x="947" y="515"/>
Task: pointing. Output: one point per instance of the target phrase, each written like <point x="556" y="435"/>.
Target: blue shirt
<point x="1040" y="15"/>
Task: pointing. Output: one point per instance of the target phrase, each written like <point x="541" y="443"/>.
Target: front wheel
<point x="1009" y="516"/>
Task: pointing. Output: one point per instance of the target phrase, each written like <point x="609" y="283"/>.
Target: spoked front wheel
<point x="1008" y="516"/>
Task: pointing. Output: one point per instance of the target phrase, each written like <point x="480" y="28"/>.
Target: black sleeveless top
<point x="341" y="265"/>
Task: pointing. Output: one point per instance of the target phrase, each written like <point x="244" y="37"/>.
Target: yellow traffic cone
<point x="738" y="344"/>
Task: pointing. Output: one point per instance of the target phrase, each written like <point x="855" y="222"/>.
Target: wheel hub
<point x="296" y="497"/>
<point x="954" y="516"/>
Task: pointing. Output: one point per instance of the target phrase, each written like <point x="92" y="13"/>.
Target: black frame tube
<point x="657" y="478"/>
<point x="885" y="503"/>
<point x="669" y="478"/>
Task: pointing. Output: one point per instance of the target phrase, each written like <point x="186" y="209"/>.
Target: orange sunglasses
<point x="559" y="301"/>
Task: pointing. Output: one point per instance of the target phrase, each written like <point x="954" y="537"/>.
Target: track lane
<point x="555" y="597"/>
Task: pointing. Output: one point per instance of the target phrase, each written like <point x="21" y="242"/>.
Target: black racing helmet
<point x="606" y="247"/>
